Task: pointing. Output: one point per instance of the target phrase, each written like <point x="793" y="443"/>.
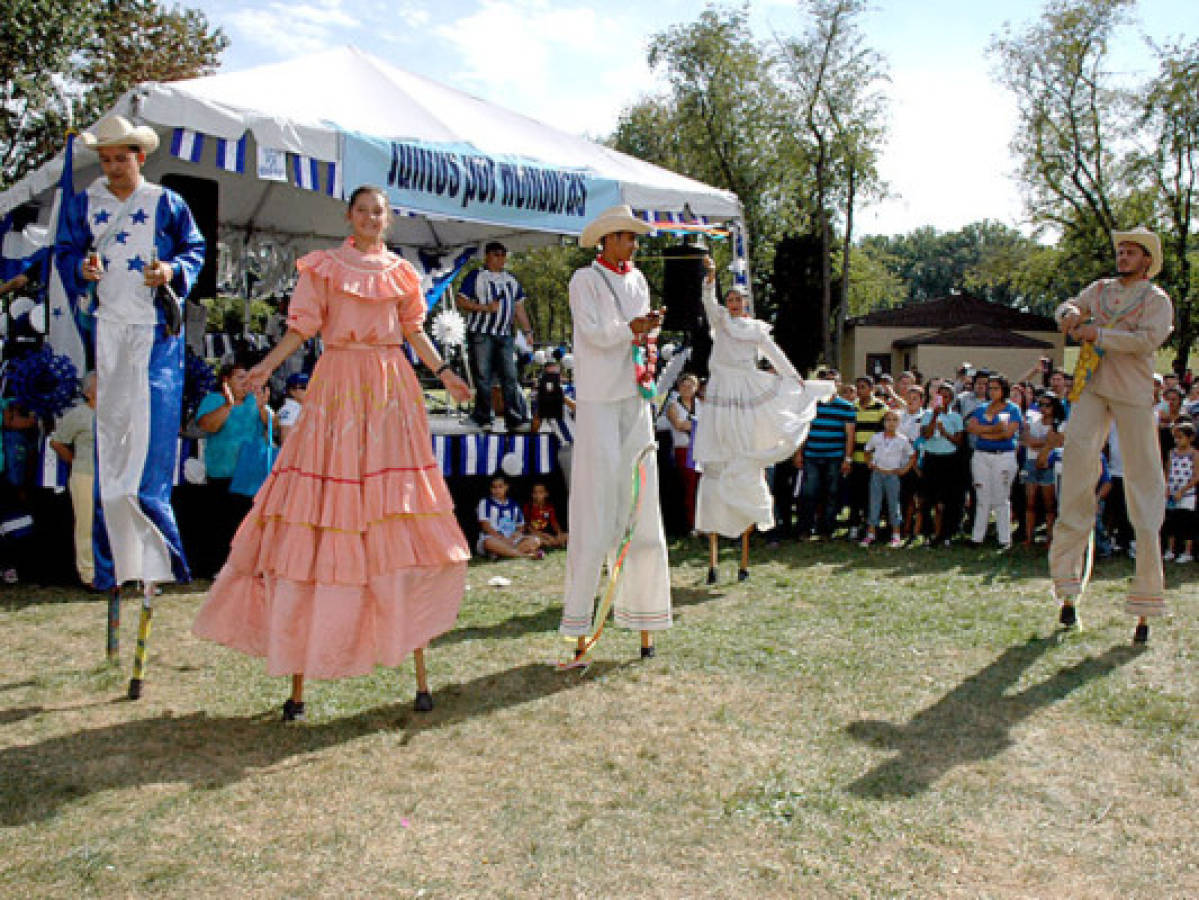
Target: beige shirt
<point x="1133" y="322"/>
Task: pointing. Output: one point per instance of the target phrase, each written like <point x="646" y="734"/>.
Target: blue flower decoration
<point x="198" y="382"/>
<point x="43" y="383"/>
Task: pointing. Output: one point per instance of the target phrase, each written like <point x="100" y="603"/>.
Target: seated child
<point x="542" y="520"/>
<point x="502" y="526"/>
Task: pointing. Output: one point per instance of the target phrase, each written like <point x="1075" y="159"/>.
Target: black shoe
<point x="1141" y="635"/>
<point x="135" y="688"/>
<point x="482" y="426"/>
<point x="423" y="702"/>
<point x="1068" y="617"/>
<point x="648" y="652"/>
<point x="293" y="711"/>
<point x="711" y="576"/>
<point x="742" y="574"/>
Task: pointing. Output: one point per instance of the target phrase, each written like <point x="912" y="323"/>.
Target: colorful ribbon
<point x="640" y="477"/>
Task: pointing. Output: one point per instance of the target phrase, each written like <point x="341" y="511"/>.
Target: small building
<point x="937" y="336"/>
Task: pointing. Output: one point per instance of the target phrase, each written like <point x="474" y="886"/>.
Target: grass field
<point x="847" y="723"/>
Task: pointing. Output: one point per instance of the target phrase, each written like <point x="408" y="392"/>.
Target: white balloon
<point x="539" y="357"/>
<point x="20" y="306"/>
<point x="666" y="352"/>
<point x="512" y="465"/>
<point x="568" y="361"/>
<point x="194" y="471"/>
<point x="37" y="318"/>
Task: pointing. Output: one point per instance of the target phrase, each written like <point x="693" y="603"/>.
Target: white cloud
<point x="947" y="158"/>
<point x="275" y="28"/>
<point x="568" y="66"/>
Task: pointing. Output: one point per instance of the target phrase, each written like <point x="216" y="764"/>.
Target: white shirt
<point x="910" y="424"/>
<point x="603" y="352"/>
<point x="889" y="452"/>
<point x="127" y="247"/>
<point x="289" y="412"/>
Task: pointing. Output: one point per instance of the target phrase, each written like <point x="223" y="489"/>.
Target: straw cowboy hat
<point x="117" y="131"/>
<point x="611" y="220"/>
<point x="1147" y="241"/>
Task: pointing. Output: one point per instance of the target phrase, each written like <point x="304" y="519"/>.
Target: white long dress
<point x="751" y="419"/>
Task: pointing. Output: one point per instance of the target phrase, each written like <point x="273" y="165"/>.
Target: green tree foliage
<point x="66" y="61"/>
<point x="874" y="282"/>
<point x="987" y="259"/>
<point x="723" y="122"/>
<point x="1095" y="156"/>
<point x="1170" y="160"/>
<point x="833" y="78"/>
<point x="1069" y="109"/>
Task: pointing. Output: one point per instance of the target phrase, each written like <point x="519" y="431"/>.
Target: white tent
<point x="283" y="143"/>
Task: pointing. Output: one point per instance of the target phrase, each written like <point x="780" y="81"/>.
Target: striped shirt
<point x="485" y="286"/>
<point x="826" y="434"/>
<point x="869" y="423"/>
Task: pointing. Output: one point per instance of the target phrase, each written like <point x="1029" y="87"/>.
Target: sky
<point x="577" y="65"/>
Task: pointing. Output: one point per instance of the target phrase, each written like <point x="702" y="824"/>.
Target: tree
<point x="722" y="122"/>
<point x="67" y="61"/>
<point x="39" y="37"/>
<point x="1067" y="138"/>
<point x="1170" y="120"/>
<point x="833" y="86"/>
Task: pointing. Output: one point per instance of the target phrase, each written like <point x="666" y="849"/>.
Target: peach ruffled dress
<point x="351" y="556"/>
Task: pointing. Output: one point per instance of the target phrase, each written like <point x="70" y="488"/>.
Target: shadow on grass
<point x="541" y="621"/>
<point x="206" y="752"/>
<point x="546" y="620"/>
<point x="973" y="721"/>
<point x="24" y="596"/>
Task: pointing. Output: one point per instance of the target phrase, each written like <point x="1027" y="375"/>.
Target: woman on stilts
<point x="751" y="419"/>
<point x="351" y="556"/>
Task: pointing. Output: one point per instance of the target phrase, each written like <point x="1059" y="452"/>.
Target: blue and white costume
<point x="139" y="372"/>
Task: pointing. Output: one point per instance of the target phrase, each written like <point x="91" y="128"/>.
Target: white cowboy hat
<point x="117" y="131"/>
<point x="613" y="219"/>
<point x="1145" y="239"/>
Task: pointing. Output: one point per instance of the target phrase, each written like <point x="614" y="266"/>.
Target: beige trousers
<point x="1144" y="490"/>
<point x="82" y="486"/>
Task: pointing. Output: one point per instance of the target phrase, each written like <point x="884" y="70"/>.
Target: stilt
<point x="114" y="624"/>
<point x="139" y="652"/>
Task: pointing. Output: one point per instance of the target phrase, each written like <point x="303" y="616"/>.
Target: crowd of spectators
<point x="905" y="461"/>
<point x="913" y="461"/>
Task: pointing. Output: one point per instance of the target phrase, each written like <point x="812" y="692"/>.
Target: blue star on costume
<point x="136" y="264"/>
<point x="57" y="312"/>
<point x="139" y="217"/>
<point x="121" y="236"/>
<point x="101" y="217"/>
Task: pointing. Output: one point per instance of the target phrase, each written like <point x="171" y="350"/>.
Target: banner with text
<point x="456" y="181"/>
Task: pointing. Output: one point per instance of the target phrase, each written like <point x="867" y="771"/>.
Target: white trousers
<point x="139" y="550"/>
<point x="993" y="474"/>
<point x="608" y="438"/>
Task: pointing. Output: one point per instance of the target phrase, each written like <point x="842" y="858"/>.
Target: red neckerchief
<point x="624" y="268"/>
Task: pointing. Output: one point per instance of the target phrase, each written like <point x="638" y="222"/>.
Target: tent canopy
<point x="283" y="144"/>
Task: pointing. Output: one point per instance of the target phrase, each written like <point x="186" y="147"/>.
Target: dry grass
<point x="847" y="723"/>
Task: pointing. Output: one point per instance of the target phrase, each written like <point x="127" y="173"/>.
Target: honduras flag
<point x="64" y="316"/>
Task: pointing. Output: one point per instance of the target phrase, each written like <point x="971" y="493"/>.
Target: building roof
<point x="955" y="310"/>
<point x="972" y="336"/>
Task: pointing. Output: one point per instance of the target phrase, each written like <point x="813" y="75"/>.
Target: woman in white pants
<point x="993" y="464"/>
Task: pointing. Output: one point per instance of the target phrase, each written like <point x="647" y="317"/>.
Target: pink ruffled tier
<point x="351" y="556"/>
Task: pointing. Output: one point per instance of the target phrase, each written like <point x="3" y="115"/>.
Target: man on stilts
<point x="1121" y="322"/>
<point x="131" y="239"/>
<point x="610" y="311"/>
